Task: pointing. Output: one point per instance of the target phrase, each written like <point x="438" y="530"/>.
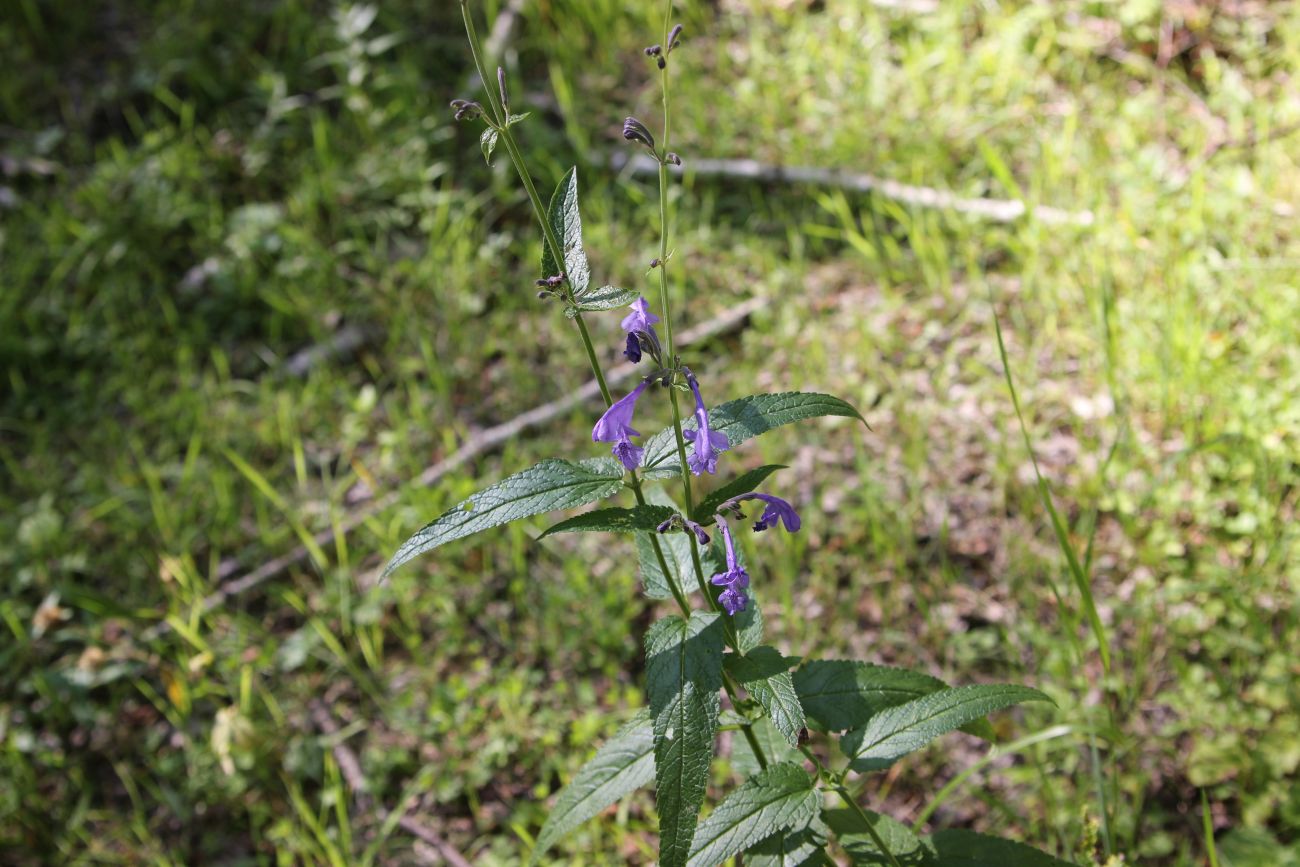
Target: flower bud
<point x="673" y="159"/>
<point x="672" y="37"/>
<point x="635" y="130"/>
<point x="466" y="109"/>
<point x="653" y="51"/>
<point x="501" y="85"/>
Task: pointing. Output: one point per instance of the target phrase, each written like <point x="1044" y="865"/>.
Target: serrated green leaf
<point x="544" y="487"/>
<point x="631" y="520"/>
<point x="566" y="223"/>
<point x="770" y="741"/>
<point x="742" y="420"/>
<point x="606" y="298"/>
<point x="683" y="676"/>
<point x="958" y="848"/>
<point x="856" y="840"/>
<point x="488" y="143"/>
<point x="782" y="796"/>
<point x="625" y="763"/>
<point x="840" y="694"/>
<point x="765" y="675"/>
<point x="515" y="118"/>
<point x="899" y="730"/>
<point x="743" y="484"/>
<point x="796" y="847"/>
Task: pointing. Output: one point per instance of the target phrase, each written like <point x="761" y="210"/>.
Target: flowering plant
<point x="779" y="815"/>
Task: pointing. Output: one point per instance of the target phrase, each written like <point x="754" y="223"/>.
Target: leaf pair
<point x="558" y="484"/>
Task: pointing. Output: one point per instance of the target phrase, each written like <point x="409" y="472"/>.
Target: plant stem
<point x="539" y="210"/>
<point x="866" y="822"/>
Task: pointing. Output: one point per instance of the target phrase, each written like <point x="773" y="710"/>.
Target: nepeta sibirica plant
<point x="811" y="733"/>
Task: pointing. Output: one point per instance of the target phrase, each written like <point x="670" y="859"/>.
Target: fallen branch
<point x="350" y="768"/>
<point x="999" y="210"/>
<point x="477" y="444"/>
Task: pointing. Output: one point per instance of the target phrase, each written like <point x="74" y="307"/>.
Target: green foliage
<point x="683" y="677"/>
<point x="781" y="797"/>
<point x="742" y="420"/>
<point x="896" y="731"/>
<point x="638" y="519"/>
<point x="550" y="485"/>
<point x="765" y="675"/>
<point x="566" y="224"/>
<point x="625" y="763"/>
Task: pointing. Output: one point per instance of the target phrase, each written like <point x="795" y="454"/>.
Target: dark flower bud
<point x="673" y="159"/>
<point x="466" y="109"/>
<point x="544" y="294"/>
<point x="654" y="263"/>
<point x="672" y="37"/>
<point x="635" y="130"/>
<point x="633" y="350"/>
<point x="501" y="85"/>
<point x="662" y="63"/>
<point x="700" y="535"/>
<point x="653" y="51"/>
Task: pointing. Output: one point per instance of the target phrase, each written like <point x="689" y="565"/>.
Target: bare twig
<point x="476" y="445"/>
<point x="999" y="210"/>
<point x="354" y="776"/>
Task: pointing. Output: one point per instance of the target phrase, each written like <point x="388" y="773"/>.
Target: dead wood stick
<point x="998" y="210"/>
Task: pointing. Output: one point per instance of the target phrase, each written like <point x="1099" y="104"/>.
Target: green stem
<point x="539" y="210"/>
<point x="866" y="822"/>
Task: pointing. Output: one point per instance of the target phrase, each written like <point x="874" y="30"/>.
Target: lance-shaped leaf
<point x="743" y="484"/>
<point x="566" y="223"/>
<point x="969" y="849"/>
<point x="631" y="520"/>
<point x="856" y="839"/>
<point x="796" y="847"/>
<point x="765" y="675"/>
<point x="621" y="766"/>
<point x="904" y="728"/>
<point x="840" y="694"/>
<point x="683" y="676"/>
<point x="745" y="419"/>
<point x="782" y="796"/>
<point x="604" y="298"/>
<point x="544" y="487"/>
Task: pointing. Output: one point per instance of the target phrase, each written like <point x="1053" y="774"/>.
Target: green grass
<point x="193" y="196"/>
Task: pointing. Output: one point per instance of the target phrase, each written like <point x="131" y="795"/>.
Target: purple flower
<point x="708" y="443"/>
<point x="640" y="319"/>
<point x="735" y="579"/>
<point x="777" y="510"/>
<point x="615" y="426"/>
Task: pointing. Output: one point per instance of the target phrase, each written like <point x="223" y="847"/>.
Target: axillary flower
<point x="733" y="599"/>
<point x="708" y="443"/>
<point x="615" y="426"/>
<point x="640" y="328"/>
<point x="776" y="509"/>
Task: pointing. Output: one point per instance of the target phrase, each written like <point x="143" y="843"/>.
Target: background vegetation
<point x="253" y="279"/>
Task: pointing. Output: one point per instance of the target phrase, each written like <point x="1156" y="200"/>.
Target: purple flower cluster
<point x="735" y="579"/>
